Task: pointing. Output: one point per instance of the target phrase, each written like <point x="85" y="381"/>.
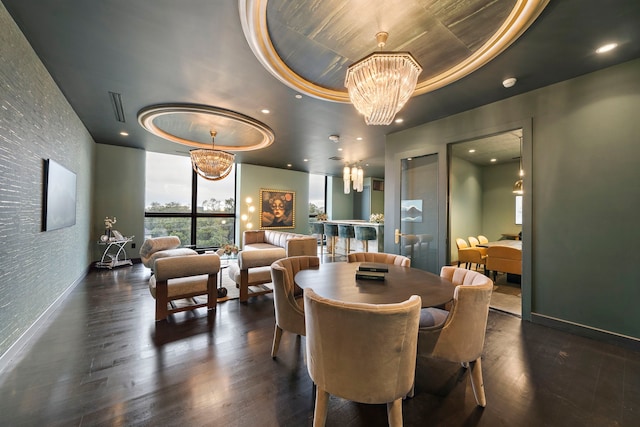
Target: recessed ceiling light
<point x="409" y="158"/>
<point x="359" y="138"/>
<point x="399" y="120"/>
<point x="298" y="96"/>
<point x="494" y="160"/>
<point x="306" y="160"/>
<point x="472" y="151"/>
<point x="339" y="149"/>
<point x="265" y="111"/>
<point x="123" y="133"/>
<point x="289" y="165"/>
<point x="607" y="47"/>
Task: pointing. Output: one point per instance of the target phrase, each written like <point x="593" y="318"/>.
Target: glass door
<point x="417" y="237"/>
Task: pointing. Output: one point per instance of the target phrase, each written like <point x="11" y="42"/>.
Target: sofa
<point x="259" y="250"/>
<point x="162" y="247"/>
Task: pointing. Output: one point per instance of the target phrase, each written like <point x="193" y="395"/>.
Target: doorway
<point x="482" y="174"/>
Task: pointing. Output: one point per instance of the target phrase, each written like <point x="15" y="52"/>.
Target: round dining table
<point x="337" y="281"/>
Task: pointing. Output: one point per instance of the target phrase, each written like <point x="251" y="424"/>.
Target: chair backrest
<point x="155" y="244"/>
<point x="473" y="242"/>
<point x="504" y="259"/>
<point x="330" y="230"/>
<point x="461" y="243"/>
<point x="186" y="266"/>
<point x="482" y="239"/>
<point x="380" y="257"/>
<point x="364" y="232"/>
<point x="317" y="227"/>
<point x="346" y="231"/>
<point x="288" y="310"/>
<point x="461" y="338"/>
<point x="362" y="352"/>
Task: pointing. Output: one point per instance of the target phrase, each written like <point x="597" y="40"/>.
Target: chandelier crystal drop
<point x="381" y="83"/>
<point x="212" y="164"/>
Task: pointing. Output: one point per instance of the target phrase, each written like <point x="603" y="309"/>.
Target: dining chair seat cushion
<point x="432" y="317"/>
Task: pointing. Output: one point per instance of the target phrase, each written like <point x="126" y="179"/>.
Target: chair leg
<point x="320" y="411"/>
<point x="277" y="335"/>
<point x="394" y="413"/>
<point x="477" y="383"/>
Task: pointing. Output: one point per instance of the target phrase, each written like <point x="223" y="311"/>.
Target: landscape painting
<point x="411" y="210"/>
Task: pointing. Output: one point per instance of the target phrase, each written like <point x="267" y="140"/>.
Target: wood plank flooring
<point x="101" y="360"/>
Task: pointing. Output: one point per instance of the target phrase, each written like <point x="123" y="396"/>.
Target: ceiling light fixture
<point x="212" y="164"/>
<point x="517" y="186"/>
<point x="381" y="83"/>
<point x="353" y="174"/>
<point x="509" y="82"/>
<point x="607" y="48"/>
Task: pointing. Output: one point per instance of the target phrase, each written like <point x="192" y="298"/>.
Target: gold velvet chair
<point x="361" y="352"/>
<point x="468" y="255"/>
<point x="504" y="259"/>
<point x="379" y="257"/>
<point x="287" y="296"/>
<point x="458" y="335"/>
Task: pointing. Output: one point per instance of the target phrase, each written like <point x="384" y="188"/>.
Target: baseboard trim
<point x="625" y="341"/>
<point x="7" y="358"/>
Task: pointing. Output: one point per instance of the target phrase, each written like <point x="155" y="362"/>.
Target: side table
<point x="225" y="262"/>
<point x="111" y="260"/>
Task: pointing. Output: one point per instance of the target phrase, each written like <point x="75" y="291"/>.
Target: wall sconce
<point x="248" y="217"/>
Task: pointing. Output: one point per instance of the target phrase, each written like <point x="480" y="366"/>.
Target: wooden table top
<point x="338" y="281"/>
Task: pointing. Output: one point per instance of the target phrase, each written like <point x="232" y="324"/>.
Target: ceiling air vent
<point x="116" y="103"/>
<point x="337" y="158"/>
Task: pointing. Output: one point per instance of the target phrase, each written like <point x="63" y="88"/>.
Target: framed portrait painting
<point x="277" y="209"/>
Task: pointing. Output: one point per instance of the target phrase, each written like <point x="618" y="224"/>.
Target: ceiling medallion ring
<point x="147" y="115"/>
<point x="254" y="25"/>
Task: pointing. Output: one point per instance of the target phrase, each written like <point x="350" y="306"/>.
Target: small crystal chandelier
<point x="353" y="175"/>
<point x="212" y="164"/>
<point x="381" y="83"/>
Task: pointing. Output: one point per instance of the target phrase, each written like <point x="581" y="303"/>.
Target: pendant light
<point x="517" y="186"/>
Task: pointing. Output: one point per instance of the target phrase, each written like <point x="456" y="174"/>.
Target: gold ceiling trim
<point x="253" y="16"/>
<point x="147" y="115"/>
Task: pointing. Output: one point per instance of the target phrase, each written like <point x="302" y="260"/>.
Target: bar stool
<point x="331" y="232"/>
<point x="346" y="232"/>
<point x="318" y="230"/>
<point x="364" y="234"/>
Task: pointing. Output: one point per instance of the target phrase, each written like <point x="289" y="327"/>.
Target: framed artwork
<point x="277" y="209"/>
<point x="411" y="210"/>
<point x="59" y="207"/>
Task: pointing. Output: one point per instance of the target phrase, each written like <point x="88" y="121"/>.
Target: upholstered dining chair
<point x="458" y="335"/>
<point x="380" y="257"/>
<point x="468" y="255"/>
<point x="504" y="259"/>
<point x="361" y="352"/>
<point x="287" y="296"/>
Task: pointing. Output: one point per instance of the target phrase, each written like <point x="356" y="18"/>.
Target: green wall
<point x="119" y="190"/>
<point x="252" y="178"/>
<point x="498" y="200"/>
<point x="580" y="154"/>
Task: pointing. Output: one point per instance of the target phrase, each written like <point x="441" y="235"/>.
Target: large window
<point x="180" y="203"/>
<point x="317" y="194"/>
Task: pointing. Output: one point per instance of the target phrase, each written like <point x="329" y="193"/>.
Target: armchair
<point x="186" y="276"/>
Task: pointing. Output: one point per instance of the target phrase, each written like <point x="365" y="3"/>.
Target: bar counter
<point x="356" y="246"/>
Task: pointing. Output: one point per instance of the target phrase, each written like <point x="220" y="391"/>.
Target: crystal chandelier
<point x="212" y="164"/>
<point x="381" y="83"/>
<point x="353" y="175"/>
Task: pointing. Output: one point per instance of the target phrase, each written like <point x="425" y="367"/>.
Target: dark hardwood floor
<point x="102" y="360"/>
